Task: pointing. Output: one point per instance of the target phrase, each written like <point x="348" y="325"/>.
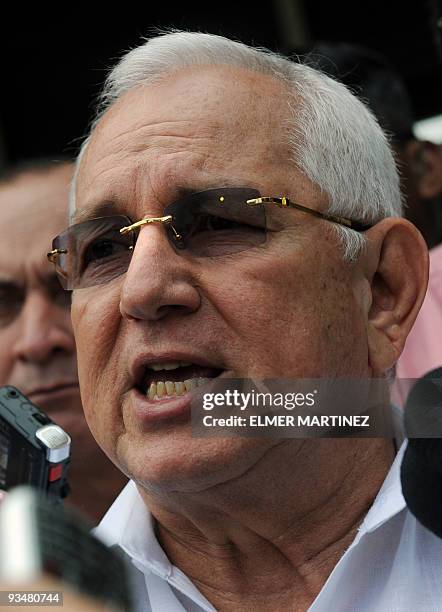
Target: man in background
<point x="375" y="81"/>
<point x="37" y="348"/>
<point x="378" y="84"/>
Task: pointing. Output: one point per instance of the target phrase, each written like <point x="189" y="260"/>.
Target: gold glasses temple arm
<point x="286" y="203"/>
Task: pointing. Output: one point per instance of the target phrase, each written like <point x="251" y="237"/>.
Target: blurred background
<point x="53" y="62"/>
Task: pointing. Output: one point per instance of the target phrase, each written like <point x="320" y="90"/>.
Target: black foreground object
<point x="421" y="469"/>
<point x="57" y="541"/>
<point x="33" y="449"/>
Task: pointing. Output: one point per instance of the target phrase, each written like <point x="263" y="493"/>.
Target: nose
<point x="45" y="330"/>
<point x="158" y="282"/>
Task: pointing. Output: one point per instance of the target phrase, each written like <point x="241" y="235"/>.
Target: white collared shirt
<point x="393" y="565"/>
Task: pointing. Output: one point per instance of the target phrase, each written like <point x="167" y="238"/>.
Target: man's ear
<point x="425" y="162"/>
<point x="397" y="269"/>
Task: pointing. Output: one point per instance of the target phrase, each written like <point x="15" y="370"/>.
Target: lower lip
<point x="58" y="394"/>
<point x="151" y="411"/>
<point x="175" y="407"/>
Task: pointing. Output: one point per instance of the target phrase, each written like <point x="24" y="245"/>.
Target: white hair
<point x="336" y="141"/>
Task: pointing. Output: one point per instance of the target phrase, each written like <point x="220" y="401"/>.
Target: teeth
<point x="171" y="365"/>
<point x="162" y="389"/>
<point x="190" y="384"/>
<point x="180" y="388"/>
<point x="152" y="391"/>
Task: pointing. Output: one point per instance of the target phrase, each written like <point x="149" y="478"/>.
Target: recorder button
<point x="41" y="418"/>
<point x="55" y="472"/>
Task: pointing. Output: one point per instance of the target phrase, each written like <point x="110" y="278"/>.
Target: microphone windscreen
<point x="421" y="469"/>
<point x="38" y="537"/>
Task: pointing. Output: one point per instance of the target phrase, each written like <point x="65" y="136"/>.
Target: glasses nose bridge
<point x="164" y="220"/>
<point x="167" y="219"/>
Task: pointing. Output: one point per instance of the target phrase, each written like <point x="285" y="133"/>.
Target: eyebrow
<point x="101" y="209"/>
<point x="108" y="208"/>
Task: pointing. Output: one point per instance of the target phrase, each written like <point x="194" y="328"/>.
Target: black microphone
<point x="421" y="469"/>
<point x="41" y="541"/>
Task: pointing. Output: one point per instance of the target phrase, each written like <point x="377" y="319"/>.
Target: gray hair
<point x="336" y="141"/>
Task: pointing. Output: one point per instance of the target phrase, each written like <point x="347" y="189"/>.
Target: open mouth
<point x="158" y="381"/>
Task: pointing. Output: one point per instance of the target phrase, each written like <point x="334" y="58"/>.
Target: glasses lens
<point x="93" y="252"/>
<point x="217" y="222"/>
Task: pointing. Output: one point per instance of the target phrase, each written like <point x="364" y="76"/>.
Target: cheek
<point x="8" y="337"/>
<point x="96" y="320"/>
<point x="292" y="317"/>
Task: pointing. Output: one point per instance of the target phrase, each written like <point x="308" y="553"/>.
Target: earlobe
<point x="399" y="261"/>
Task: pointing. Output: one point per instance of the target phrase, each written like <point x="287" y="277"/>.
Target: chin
<point x="186" y="464"/>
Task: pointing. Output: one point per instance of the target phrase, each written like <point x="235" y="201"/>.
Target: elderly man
<point x="181" y="273"/>
<point x="37" y="344"/>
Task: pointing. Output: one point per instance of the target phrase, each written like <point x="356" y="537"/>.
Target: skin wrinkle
<point x="315" y="510"/>
<point x="225" y="546"/>
<point x="290" y="309"/>
<point x="229" y="318"/>
<point x="235" y="478"/>
<point x="168" y="180"/>
<point x="275" y="589"/>
<point x="153" y="131"/>
<point x="197" y="128"/>
<point x="303" y="571"/>
<point x="150" y="132"/>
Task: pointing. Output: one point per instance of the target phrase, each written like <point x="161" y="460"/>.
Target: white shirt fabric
<point x="393" y="565"/>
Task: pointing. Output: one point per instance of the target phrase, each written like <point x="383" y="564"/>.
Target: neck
<point x="249" y="546"/>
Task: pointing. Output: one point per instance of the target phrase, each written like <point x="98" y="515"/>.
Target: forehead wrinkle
<point x="212" y="118"/>
<point x="147" y="141"/>
<point x="168" y="141"/>
<point x="156" y="129"/>
<point x="216" y="135"/>
<point x="136" y="177"/>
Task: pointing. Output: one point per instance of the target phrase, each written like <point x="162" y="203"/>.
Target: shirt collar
<point x="129" y="525"/>
<point x="124" y="523"/>
<point x="389" y="501"/>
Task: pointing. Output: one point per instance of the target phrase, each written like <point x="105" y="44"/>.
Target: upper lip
<point x="141" y="362"/>
<point x="50" y="388"/>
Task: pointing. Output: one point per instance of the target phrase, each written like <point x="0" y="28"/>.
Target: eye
<point x="103" y="249"/>
<point x="11" y="302"/>
<point x="216" y="223"/>
<point x="213" y="236"/>
<point x="224" y="224"/>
